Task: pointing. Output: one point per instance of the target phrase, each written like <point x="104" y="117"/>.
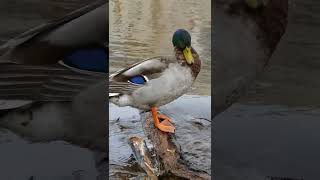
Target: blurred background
<point x="274" y="129"/>
<point x="20" y="159"/>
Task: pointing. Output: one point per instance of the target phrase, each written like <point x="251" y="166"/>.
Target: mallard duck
<point x="158" y="80"/>
<point x="52" y="76"/>
<point x="246" y="33"/>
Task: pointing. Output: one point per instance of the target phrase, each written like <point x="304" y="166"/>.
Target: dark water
<point x="274" y="130"/>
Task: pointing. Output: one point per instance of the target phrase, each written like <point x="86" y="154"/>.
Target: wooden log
<point x="167" y="152"/>
<point x="145" y="157"/>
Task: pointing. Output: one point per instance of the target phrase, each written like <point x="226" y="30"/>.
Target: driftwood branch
<point x="166" y="160"/>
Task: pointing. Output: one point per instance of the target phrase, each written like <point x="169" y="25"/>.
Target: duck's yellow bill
<point x="188" y="55"/>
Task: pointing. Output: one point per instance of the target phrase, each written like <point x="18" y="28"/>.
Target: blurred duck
<point x="82" y="30"/>
<point x="53" y="80"/>
<point x="246" y="33"/>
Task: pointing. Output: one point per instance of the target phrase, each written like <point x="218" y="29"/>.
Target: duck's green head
<point x="182" y="40"/>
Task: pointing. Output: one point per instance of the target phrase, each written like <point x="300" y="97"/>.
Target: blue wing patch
<point x="91" y="59"/>
<point x="139" y="79"/>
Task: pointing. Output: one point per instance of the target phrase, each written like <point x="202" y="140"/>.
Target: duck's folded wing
<point x="119" y="82"/>
<point x="43" y="83"/>
<point x="119" y="88"/>
<point x="47" y="27"/>
<point x="148" y="67"/>
<point x="52" y="40"/>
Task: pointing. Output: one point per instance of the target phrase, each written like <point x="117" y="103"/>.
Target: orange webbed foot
<point x="166" y="125"/>
<point x="163" y="117"/>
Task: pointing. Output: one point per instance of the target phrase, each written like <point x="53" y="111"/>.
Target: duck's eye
<point x="139" y="79"/>
<point x="91" y="59"/>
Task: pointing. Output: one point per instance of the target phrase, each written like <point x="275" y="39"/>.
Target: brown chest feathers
<point x="195" y="67"/>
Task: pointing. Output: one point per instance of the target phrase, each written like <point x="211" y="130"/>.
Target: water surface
<point x="193" y="134"/>
<point x="141" y="29"/>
